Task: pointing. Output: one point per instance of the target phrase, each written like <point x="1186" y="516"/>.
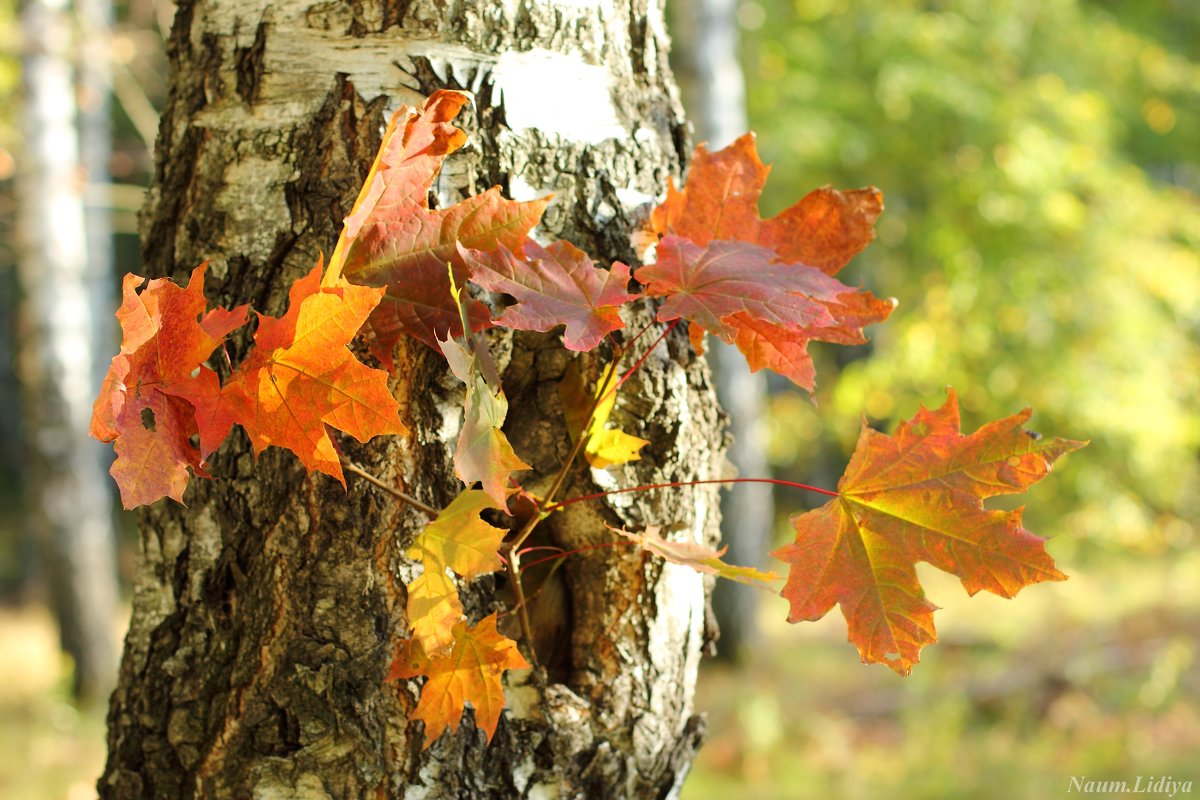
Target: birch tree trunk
<point x="69" y="493"/>
<point x="266" y="610"/>
<point x="717" y="99"/>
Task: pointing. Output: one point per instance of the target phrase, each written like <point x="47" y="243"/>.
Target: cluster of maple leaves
<point x="399" y="268"/>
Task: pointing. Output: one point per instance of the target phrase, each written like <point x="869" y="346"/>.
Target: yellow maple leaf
<point x="459" y="539"/>
<point x="605" y="446"/>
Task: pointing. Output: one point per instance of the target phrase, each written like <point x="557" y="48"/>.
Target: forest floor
<point x="1097" y="678"/>
<point x="50" y="749"/>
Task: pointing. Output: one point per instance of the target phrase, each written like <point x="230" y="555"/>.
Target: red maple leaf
<point x="300" y="377"/>
<point x="763" y="285"/>
<point x="918" y="496"/>
<point x="157" y="384"/>
<point x="394" y="240"/>
<point x="558" y="285"/>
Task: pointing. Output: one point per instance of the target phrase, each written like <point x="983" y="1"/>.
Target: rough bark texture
<point x="266" y="610"/>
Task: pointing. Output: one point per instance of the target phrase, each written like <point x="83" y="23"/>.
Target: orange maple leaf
<point x="824" y="230"/>
<point x="918" y="496"/>
<point x="469" y="673"/>
<point x="394" y="240"/>
<point x="300" y="377"/>
<point x="157" y="384"/>
<point x="764" y="285"/>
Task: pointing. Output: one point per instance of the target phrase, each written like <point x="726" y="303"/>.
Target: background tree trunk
<point x="68" y="490"/>
<point x="716" y="95"/>
<point x="266" y="610"/>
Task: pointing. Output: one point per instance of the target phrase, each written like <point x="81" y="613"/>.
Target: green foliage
<point x="1041" y="232"/>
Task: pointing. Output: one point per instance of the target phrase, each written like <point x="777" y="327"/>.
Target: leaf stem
<point x="513" y="562"/>
<point x="564" y="553"/>
<point x="564" y="470"/>
<point x="514" y="548"/>
<point x="350" y="466"/>
<point x="601" y="395"/>
<point x="550" y="509"/>
<point x="628" y="345"/>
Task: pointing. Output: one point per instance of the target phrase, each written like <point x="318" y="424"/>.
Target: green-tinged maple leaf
<point x="557" y="285"/>
<point x="157" y="384"/>
<point x="460" y="540"/>
<point x="605" y="446"/>
<point x="300" y="377"/>
<point x="483" y="452"/>
<point x="763" y="285"/>
<point x="917" y="495"/>
<point x="470" y="672"/>
<point x="698" y="557"/>
<point x="393" y="239"/>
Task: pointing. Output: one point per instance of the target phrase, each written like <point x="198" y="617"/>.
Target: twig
<point x="349" y="466"/>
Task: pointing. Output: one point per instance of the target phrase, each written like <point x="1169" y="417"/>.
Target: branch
<point x="350" y="466"/>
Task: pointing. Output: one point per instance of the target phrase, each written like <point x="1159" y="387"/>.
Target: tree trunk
<point x="69" y="492"/>
<point x="265" y="612"/>
<point x="716" y="94"/>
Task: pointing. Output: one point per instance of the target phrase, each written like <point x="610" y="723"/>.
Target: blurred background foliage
<point x="1040" y="162"/>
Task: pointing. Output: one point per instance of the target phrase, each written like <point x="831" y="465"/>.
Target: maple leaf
<point x="558" y="285"/>
<point x="157" y="384"/>
<point x="763" y="285"/>
<point x="434" y="607"/>
<point x="769" y="309"/>
<point x="410" y="162"/>
<point x="394" y="240"/>
<point x="824" y="230"/>
<point x="697" y="556"/>
<point x="483" y="452"/>
<point x="918" y="496"/>
<point x="460" y="540"/>
<point x="300" y="377"/>
<point x="469" y="673"/>
<point x="605" y="446"/>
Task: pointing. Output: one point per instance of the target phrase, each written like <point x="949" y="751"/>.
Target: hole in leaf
<point x="148" y="419"/>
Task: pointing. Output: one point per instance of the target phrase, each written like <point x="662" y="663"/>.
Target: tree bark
<point x="266" y="610"/>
